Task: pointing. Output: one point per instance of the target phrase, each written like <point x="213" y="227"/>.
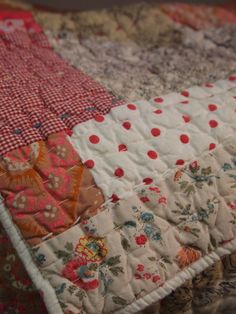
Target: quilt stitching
<point x="93" y="231"/>
<point x="42" y="93"/>
<point x="135" y="149"/>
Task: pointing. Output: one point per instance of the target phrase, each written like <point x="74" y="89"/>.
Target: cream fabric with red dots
<point x="140" y="142"/>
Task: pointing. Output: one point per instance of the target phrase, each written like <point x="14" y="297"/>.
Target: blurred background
<point x="95" y="4"/>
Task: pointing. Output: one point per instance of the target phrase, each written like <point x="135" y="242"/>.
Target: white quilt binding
<point x="42" y="284"/>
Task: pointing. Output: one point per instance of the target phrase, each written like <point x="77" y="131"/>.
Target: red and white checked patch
<point x="40" y="93"/>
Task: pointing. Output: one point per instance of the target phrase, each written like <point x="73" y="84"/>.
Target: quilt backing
<point x="114" y="220"/>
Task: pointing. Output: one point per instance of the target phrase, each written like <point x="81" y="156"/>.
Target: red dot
<point x="184" y="138"/>
<point x="131" y="107"/>
<point x="126" y="125"/>
<point x="186" y="118"/>
<point x="69" y="132"/>
<point x="99" y="118"/>
<point x="155" y="132"/>
<point x="119" y="172"/>
<point x="232" y="78"/>
<point x="213" y="123"/>
<point x="147" y="180"/>
<point x="212" y="146"/>
<point x="179" y="162"/>
<point x="89" y="163"/>
<point x="185" y="102"/>
<point x="212" y="107"/>
<point x="158" y="100"/>
<point x="114" y="198"/>
<point x="94" y="139"/>
<point x="152" y="154"/>
<point x="185" y="93"/>
<point x="209" y="85"/>
<point x="158" y="111"/>
<point x="122" y="148"/>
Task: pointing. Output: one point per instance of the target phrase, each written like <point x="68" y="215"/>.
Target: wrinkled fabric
<point x="139" y="243"/>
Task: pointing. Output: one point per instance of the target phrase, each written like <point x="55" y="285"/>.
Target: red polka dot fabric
<point x="40" y="93"/>
<point x="138" y="143"/>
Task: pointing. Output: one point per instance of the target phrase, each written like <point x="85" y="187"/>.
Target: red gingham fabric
<point x="40" y="93"/>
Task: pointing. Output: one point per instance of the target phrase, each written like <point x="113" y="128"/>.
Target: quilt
<point x="149" y="53"/>
<point x="99" y="221"/>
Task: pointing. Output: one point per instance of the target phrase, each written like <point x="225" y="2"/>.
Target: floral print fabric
<point x="150" y="54"/>
<point x="138" y="243"/>
<point x="47" y="188"/>
<point x="18" y="295"/>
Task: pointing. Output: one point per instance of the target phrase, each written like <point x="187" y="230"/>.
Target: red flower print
<point x="77" y="270"/>
<point x="187" y="229"/>
<point x="155" y="189"/>
<point x="194" y="166"/>
<point x="144" y="199"/>
<point x="137" y="276"/>
<point x="232" y="205"/>
<point x="141" y="240"/>
<point x="140" y="267"/>
<point x="162" y="200"/>
<point x="147" y="276"/>
<point x="156" y="278"/>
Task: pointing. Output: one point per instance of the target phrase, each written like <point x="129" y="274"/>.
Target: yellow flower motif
<point x="93" y="249"/>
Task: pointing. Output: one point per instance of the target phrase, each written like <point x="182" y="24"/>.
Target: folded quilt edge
<point x="179" y="279"/>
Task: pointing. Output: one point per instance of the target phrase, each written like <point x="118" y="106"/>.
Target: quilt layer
<point x="111" y="205"/>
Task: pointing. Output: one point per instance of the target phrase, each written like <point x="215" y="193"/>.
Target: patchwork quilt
<point x="110" y="205"/>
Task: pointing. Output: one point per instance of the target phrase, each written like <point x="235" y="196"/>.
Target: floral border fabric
<point x="135" y="245"/>
<point x="18" y="295"/>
